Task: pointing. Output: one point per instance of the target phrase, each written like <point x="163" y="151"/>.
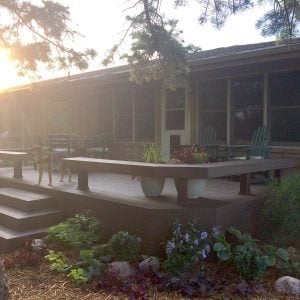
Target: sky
<point x="102" y="22"/>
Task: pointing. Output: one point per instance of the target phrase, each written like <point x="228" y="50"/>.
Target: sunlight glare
<point x="8" y="76"/>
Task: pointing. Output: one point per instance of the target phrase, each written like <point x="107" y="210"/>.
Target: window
<point x="123" y="115"/>
<point x="284" y="107"/>
<point x="212" y="106"/>
<point x="247" y="107"/>
<point x="106" y="113"/>
<point x="135" y="115"/>
<point x="175" y="110"/>
<point x="145" y="114"/>
<point x="60" y="117"/>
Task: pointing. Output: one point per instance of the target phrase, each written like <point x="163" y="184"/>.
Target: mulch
<point x="40" y="283"/>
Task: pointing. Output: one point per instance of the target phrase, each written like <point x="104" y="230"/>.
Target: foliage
<point x="287" y="260"/>
<point x="280" y="214"/>
<point x="282" y="20"/>
<point x="188" y="284"/>
<point x="153" y="155"/>
<point x="80" y="231"/>
<point x="190" y="154"/>
<point x="250" y="258"/>
<point x="58" y="261"/>
<point x="86" y="268"/>
<point x="81" y="271"/>
<point x="186" y="247"/>
<point x="158" y="51"/>
<point x="135" y="286"/>
<point x="24" y="257"/>
<point x="124" y="247"/>
<point x="36" y="32"/>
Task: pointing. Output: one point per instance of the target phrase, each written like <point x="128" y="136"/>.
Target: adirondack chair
<point x="258" y="149"/>
<point x="207" y="140"/>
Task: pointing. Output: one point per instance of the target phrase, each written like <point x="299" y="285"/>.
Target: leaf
<point x="235" y="232"/>
<point x="220" y="247"/>
<point x="283" y="254"/>
<point x="269" y="261"/>
<point x="224" y="256"/>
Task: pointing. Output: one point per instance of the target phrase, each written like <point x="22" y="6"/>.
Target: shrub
<point x="81" y="271"/>
<point x="250" y="258"/>
<point x="186" y="247"/>
<point x="123" y="246"/>
<point x="58" y="261"/>
<point x="152" y="154"/>
<point x="80" y="231"/>
<point x="27" y="256"/>
<point x="280" y="214"/>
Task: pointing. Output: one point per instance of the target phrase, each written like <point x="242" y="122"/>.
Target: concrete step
<point x="24" y="200"/>
<point x="12" y="239"/>
<point x="22" y="221"/>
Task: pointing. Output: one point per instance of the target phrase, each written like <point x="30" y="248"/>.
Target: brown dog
<point x="43" y="158"/>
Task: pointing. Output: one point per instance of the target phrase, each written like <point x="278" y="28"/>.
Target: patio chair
<point x="258" y="149"/>
<point x="98" y="146"/>
<point x="207" y="140"/>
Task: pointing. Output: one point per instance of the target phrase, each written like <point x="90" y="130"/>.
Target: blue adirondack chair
<point x="258" y="149"/>
<point x="207" y="140"/>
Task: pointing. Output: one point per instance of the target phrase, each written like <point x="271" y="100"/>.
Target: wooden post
<point x="18" y="169"/>
<point x="278" y="174"/>
<point x="83" y="181"/>
<point x="245" y="184"/>
<point x="181" y="184"/>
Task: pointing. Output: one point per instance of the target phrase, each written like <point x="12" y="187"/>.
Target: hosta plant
<point x="249" y="257"/>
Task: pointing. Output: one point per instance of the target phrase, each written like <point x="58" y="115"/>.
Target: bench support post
<point x="181" y="190"/>
<point x="83" y="181"/>
<point x="18" y="169"/>
<point x="245" y="184"/>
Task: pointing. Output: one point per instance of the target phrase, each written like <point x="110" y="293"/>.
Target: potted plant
<point x="191" y="154"/>
<point x="152" y="187"/>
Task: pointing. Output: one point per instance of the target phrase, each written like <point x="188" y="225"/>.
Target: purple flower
<point x="196" y="242"/>
<point x="216" y="232"/>
<point x="170" y="247"/>
<point x="203" y="253"/>
<point x="178" y="228"/>
<point x="203" y="235"/>
<point x="207" y="248"/>
<point x="187" y="237"/>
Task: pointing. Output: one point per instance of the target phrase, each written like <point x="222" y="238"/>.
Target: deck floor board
<point x="121" y="188"/>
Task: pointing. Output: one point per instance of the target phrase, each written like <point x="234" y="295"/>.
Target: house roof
<point x="199" y="58"/>
<point x="238" y="49"/>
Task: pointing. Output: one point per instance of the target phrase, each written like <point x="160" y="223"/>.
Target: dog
<point x="44" y="158"/>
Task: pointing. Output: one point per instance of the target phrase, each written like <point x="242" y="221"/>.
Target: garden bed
<point x="41" y="283"/>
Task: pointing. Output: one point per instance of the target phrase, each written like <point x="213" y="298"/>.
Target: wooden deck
<point x="120" y="204"/>
<point x="123" y="189"/>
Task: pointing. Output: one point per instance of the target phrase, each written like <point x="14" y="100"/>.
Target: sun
<point x="8" y="73"/>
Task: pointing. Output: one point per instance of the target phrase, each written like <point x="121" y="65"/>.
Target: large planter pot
<point x="195" y="187"/>
<point x="152" y="187"/>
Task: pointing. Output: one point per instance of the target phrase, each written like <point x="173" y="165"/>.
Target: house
<point x="234" y="89"/>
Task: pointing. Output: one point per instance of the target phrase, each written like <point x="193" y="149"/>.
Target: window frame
<point x="271" y="108"/>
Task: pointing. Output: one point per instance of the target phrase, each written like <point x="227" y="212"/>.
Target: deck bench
<point x="17" y="158"/>
<point x="179" y="171"/>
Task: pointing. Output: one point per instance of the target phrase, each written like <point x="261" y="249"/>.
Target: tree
<point x="158" y="51"/>
<point x="39" y="33"/>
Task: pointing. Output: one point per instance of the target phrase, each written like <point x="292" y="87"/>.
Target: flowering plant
<point x="190" y="154"/>
<point x="186" y="247"/>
